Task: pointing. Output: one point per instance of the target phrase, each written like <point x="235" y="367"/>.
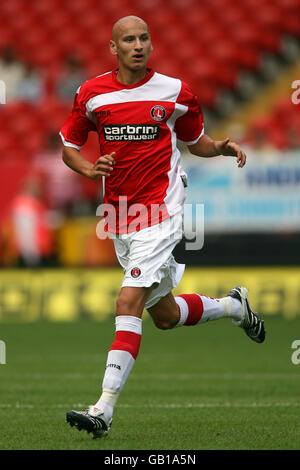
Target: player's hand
<point x="227" y="147"/>
<point x="103" y="166"/>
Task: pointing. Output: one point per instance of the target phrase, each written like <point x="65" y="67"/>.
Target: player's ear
<point x="113" y="47"/>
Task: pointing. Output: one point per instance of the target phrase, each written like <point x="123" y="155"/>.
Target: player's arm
<point x="77" y="162"/>
<point x="206" y="147"/>
<point x="74" y="134"/>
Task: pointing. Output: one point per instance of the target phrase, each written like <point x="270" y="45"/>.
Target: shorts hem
<point x="132" y="283"/>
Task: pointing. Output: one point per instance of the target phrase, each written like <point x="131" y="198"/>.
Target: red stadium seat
<point x="53" y="111"/>
<point x="58" y="22"/>
<point x="84" y="27"/>
<point x="35" y="142"/>
<point x="283" y="111"/>
<point x="196" y="18"/>
<point x="46" y="7"/>
<point x="187" y="54"/>
<point x="68" y="41"/>
<point x="13" y="8"/>
<point x="226" y="52"/>
<point x="210" y="33"/>
<point x="45" y="57"/>
<point x="204" y="70"/>
<point x="6" y="37"/>
<point x="280" y="128"/>
<point x="232" y="17"/>
<point x="290" y="4"/>
<point x="270" y="17"/>
<point x="291" y="23"/>
<point x="207" y="44"/>
<point x="207" y="93"/>
<point x="7" y="142"/>
<point x="35" y="38"/>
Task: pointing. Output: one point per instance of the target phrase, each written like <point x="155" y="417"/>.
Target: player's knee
<point x="164" y="324"/>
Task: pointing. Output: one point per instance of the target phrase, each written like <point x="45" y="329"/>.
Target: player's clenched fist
<point x="103" y="166"/>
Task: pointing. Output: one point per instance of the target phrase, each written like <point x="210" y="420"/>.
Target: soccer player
<point x="138" y="115"/>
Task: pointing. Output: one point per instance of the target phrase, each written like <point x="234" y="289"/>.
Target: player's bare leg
<point x="121" y="358"/>
<point x="131" y="301"/>
<point x="165" y="313"/>
<point x="191" y="309"/>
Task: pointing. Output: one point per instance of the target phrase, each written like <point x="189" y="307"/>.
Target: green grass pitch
<point x="202" y="387"/>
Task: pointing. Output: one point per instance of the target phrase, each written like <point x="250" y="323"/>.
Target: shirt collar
<point x="141" y="82"/>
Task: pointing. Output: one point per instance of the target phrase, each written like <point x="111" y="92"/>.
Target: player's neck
<point x="131" y="77"/>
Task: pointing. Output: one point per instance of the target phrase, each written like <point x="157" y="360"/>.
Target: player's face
<point x="132" y="45"/>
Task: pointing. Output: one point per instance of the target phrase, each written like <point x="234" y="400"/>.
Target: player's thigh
<point x="165" y="313"/>
<point x="131" y="300"/>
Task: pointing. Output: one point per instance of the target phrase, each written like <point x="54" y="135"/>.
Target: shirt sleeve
<point x="189" y="127"/>
<point x="75" y="130"/>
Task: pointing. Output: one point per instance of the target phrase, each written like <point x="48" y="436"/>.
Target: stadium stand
<point x="280" y="129"/>
<point x="225" y="37"/>
<point x="220" y="47"/>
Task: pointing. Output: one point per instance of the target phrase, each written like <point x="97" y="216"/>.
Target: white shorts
<point x="146" y="257"/>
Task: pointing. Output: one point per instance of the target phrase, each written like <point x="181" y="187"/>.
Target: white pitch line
<point x="166" y="377"/>
<point x="214" y="405"/>
<point x="155" y="405"/>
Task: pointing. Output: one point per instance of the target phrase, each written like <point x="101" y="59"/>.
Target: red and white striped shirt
<point x="141" y="123"/>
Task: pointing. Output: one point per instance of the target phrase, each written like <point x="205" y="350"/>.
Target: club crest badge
<point x="135" y="272"/>
<point x="158" y="113"/>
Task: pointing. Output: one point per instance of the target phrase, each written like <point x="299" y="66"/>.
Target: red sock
<point x="191" y="309"/>
<point x="127" y="341"/>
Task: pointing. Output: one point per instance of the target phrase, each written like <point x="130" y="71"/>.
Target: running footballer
<point x="139" y="114"/>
